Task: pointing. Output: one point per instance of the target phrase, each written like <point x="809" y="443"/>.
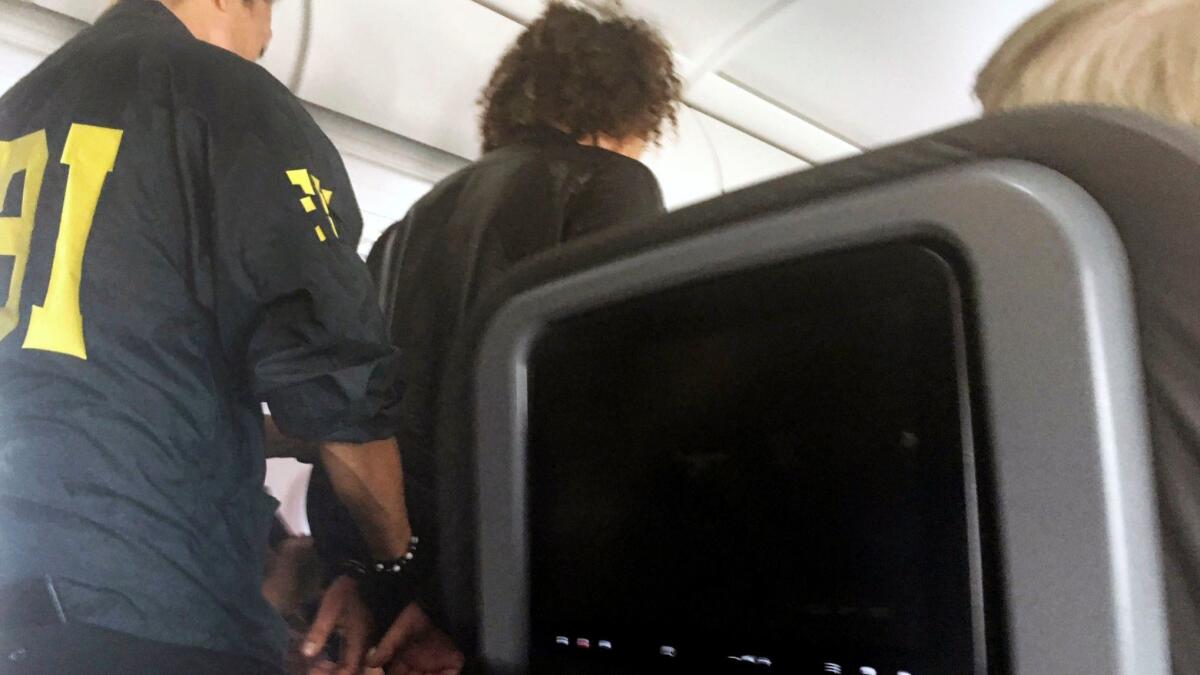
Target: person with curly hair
<point x="603" y="80"/>
<point x="565" y="116"/>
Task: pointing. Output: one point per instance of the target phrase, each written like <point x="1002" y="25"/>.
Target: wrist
<point x="383" y="568"/>
<point x="389" y="585"/>
<point x="398" y="547"/>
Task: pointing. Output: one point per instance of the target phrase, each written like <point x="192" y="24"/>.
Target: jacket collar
<point x="144" y="11"/>
<point x="544" y="135"/>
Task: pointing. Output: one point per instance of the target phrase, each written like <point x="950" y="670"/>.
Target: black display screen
<point x="762" y="472"/>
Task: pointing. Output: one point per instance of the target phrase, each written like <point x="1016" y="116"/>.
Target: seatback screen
<point x="760" y="473"/>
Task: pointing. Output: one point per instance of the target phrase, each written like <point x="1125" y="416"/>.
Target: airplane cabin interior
<point x="869" y="399"/>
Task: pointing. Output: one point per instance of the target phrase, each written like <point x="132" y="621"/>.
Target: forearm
<point x="369" y="481"/>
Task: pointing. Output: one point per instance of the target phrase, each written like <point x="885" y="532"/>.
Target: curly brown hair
<point x="585" y="73"/>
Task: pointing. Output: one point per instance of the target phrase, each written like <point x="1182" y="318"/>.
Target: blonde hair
<point x="1140" y="54"/>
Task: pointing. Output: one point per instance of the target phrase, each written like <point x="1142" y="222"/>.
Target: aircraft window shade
<point x="768" y="464"/>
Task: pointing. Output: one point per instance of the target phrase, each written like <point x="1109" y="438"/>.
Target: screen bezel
<point x="922" y="257"/>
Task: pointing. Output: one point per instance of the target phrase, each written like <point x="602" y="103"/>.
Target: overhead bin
<point x="876" y="74"/>
<point x="719" y="97"/>
<point x="698" y="32"/>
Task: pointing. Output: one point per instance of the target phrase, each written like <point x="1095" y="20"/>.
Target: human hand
<point x="341" y="609"/>
<point x="414" y="646"/>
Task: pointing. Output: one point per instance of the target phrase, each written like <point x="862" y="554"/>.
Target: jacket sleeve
<point x="618" y="193"/>
<point x="296" y="306"/>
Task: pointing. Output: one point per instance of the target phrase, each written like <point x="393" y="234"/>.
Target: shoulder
<point x="151" y="60"/>
<point x="624" y="171"/>
<point x="232" y="92"/>
<point x="155" y="52"/>
<point x="614" y="176"/>
<point x="583" y="164"/>
<point x="505" y="172"/>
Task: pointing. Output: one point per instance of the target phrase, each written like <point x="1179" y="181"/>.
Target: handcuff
<point x="386" y="586"/>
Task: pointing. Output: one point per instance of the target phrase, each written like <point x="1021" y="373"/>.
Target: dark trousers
<point x="70" y="649"/>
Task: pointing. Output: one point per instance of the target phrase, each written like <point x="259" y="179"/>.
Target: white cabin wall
<point x="15" y="62"/>
<point x="745" y="160"/>
<point x="686" y="167"/>
<point x="384" y="196"/>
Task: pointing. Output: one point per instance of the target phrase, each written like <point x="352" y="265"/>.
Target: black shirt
<point x="177" y="245"/>
<point x="455" y="242"/>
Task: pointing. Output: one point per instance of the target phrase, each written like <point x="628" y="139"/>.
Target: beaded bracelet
<point x="397" y="565"/>
<point x="358" y="570"/>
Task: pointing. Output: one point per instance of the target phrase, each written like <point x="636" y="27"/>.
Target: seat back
<point x="1029" y="219"/>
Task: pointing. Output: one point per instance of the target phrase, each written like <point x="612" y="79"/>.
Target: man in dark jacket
<point x="177" y="245"/>
<point x="565" y="116"/>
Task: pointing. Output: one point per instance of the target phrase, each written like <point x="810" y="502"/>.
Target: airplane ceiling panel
<point x="409" y="66"/>
<point x="685" y="165"/>
<point x="877" y="70"/>
<point x="700" y="29"/>
<point x="696" y="29"/>
<point x="745" y="160"/>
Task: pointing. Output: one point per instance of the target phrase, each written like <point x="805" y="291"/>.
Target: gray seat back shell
<point x="1082" y="571"/>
